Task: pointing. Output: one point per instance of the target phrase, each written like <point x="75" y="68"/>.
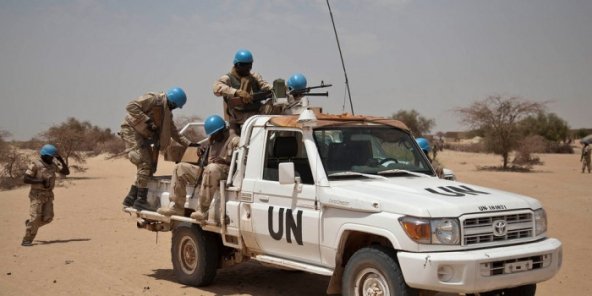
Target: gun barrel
<point x="325" y="94"/>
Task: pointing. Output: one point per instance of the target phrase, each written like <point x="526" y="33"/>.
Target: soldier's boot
<point x="200" y="215"/>
<point x="129" y="200"/>
<point x="174" y="209"/>
<point x="141" y="202"/>
<point x="28" y="239"/>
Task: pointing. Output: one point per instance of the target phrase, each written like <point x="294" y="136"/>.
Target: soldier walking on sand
<point x="237" y="89"/>
<point x="217" y="156"/>
<point x="41" y="174"/>
<point x="146" y="130"/>
<point x="585" y="159"/>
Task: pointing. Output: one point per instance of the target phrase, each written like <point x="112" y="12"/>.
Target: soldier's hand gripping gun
<point x="256" y="97"/>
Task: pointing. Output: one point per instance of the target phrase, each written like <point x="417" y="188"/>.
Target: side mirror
<point x="286" y="173"/>
<point x="448" y="175"/>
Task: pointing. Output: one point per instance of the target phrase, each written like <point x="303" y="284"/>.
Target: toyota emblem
<point x="500" y="228"/>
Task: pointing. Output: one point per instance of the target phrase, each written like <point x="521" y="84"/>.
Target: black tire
<point x="374" y="268"/>
<point x="195" y="255"/>
<point x="526" y="290"/>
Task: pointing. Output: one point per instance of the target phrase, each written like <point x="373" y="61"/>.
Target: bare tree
<point x="13" y="163"/>
<point x="498" y="117"/>
<point x="418" y="124"/>
<point x="4" y="147"/>
<point x="69" y="137"/>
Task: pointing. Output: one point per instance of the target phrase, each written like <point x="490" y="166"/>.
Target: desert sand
<point x="93" y="248"/>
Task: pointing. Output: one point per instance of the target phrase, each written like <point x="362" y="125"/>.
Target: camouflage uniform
<point x="586" y="158"/>
<point x="136" y="135"/>
<point x="41" y="208"/>
<point x="212" y="174"/>
<point x="226" y="87"/>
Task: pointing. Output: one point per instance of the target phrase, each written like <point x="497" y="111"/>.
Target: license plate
<point x="518" y="266"/>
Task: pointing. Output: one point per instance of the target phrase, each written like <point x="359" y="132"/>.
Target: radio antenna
<point x="342" y="62"/>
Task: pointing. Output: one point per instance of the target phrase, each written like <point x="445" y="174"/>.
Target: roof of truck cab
<point x="337" y="119"/>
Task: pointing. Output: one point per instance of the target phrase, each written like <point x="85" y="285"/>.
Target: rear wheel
<point x="374" y="271"/>
<point x="195" y="255"/>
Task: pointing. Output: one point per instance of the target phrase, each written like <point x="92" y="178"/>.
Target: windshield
<point x="355" y="151"/>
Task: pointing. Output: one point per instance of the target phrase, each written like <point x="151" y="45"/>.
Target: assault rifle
<point x="154" y="141"/>
<point x="203" y="162"/>
<point x="257" y="97"/>
<point x="306" y="91"/>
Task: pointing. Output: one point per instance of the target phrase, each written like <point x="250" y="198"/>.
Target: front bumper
<point x="482" y="270"/>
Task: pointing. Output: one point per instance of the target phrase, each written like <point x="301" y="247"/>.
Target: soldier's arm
<point x="136" y="107"/>
<point x="64" y="169"/>
<point x="178" y="137"/>
<point x="222" y="87"/>
<point x="29" y="175"/>
<point x="263" y="85"/>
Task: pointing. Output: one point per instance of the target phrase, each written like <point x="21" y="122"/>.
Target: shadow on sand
<point x="252" y="278"/>
<point x="62" y="241"/>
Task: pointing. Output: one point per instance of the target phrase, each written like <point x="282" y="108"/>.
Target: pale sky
<point x="88" y="58"/>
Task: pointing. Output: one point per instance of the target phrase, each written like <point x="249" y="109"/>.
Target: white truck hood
<point x="421" y="196"/>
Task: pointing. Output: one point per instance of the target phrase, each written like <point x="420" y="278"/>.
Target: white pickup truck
<point x="354" y="198"/>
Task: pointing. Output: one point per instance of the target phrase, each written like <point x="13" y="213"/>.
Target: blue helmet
<point x="213" y="124"/>
<point x="424" y="144"/>
<point x="177" y="96"/>
<point x="48" y="150"/>
<point x="243" y="56"/>
<point x="296" y="82"/>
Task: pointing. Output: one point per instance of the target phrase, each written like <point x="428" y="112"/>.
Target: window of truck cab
<point x="368" y="149"/>
<point x="286" y="146"/>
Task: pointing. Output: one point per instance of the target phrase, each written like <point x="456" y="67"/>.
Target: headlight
<point x="540" y="221"/>
<point x="445" y="231"/>
<point x="442" y="231"/>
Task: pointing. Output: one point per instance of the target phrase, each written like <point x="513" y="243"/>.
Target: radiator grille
<point x="480" y="230"/>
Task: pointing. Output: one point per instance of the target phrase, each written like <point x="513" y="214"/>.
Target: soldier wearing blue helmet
<point x="424" y="144"/>
<point x="147" y="129"/>
<point x="237" y="88"/>
<point x="216" y="156"/>
<point x="41" y="174"/>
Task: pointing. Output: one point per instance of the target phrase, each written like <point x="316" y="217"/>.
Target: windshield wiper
<point x="399" y="171"/>
<point x="350" y="173"/>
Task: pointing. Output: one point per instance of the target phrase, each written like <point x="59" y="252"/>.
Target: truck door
<point x="285" y="217"/>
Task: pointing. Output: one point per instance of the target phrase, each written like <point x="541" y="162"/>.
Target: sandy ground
<point x="93" y="248"/>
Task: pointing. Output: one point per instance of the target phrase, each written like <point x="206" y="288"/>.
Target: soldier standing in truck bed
<point x="146" y="130"/>
<point x="237" y="88"/>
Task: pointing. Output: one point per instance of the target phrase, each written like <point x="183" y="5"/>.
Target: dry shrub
<point x="112" y="147"/>
<point x="472" y="147"/>
<point x="562" y="148"/>
<point x="528" y="146"/>
<point x="14" y="165"/>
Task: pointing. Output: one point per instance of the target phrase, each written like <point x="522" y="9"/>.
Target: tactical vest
<point x="236" y="83"/>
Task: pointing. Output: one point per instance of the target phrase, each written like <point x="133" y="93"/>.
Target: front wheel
<point x="374" y="271"/>
<point x="195" y="255"/>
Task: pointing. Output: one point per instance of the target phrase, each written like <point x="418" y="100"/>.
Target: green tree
<point x="418" y="124"/>
<point x="498" y="117"/>
<point x="548" y="125"/>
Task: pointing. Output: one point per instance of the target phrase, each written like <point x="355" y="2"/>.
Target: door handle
<point x="264" y="198"/>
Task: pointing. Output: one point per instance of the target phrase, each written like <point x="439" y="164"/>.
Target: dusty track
<point x="93" y="248"/>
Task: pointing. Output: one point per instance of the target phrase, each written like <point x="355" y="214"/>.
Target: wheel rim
<point x="188" y="255"/>
<point x="370" y="282"/>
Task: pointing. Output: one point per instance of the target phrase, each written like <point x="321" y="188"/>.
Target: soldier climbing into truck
<point x="146" y="130"/>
